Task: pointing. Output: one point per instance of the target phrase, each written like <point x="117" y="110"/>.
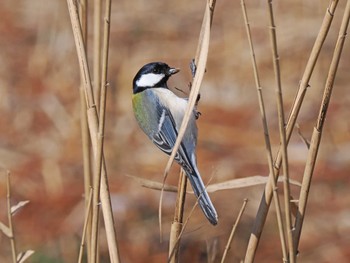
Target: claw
<point x="193" y="67"/>
<point x="197" y="114"/>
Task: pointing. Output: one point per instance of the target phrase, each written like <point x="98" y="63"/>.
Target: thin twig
<point x="266" y="135"/>
<point x="317" y="133"/>
<point x="282" y="131"/>
<point x="176" y="225"/>
<point x="267" y="195"/>
<point x="9" y="216"/>
<point x="85" y="228"/>
<point x="234" y="227"/>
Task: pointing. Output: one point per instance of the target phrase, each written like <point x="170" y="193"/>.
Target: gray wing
<point x="165" y="138"/>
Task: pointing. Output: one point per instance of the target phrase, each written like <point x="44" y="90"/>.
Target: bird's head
<point x="153" y="75"/>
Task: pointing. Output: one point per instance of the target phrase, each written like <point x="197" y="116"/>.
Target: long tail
<point x="202" y="195"/>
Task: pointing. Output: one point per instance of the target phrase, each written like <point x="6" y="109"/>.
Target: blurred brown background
<point x="40" y="139"/>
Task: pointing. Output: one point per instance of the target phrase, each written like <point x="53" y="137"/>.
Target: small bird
<point x="159" y="113"/>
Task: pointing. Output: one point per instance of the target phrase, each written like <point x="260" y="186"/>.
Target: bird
<point x="159" y="113"/>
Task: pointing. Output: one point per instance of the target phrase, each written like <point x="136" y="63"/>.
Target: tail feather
<point x="203" y="198"/>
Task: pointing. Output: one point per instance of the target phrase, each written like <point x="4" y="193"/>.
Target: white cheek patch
<point x="149" y="80"/>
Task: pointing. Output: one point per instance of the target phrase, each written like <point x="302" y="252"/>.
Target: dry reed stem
<point x="171" y="254"/>
<point x="267" y="195"/>
<point x="211" y="4"/>
<point x="97" y="50"/>
<point x="100" y="135"/>
<point x="180" y="202"/>
<point x="176" y="225"/>
<point x="81" y="53"/>
<point x="266" y="135"/>
<point x="93" y="128"/>
<point x="234" y="227"/>
<point x="282" y="131"/>
<point x="85" y="135"/>
<point x="201" y="61"/>
<point x="317" y="133"/>
<point x="9" y="216"/>
<point x="237" y="183"/>
<point x="85" y="228"/>
<point x="304" y="83"/>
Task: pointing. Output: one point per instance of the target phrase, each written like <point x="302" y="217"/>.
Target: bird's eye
<point x="156" y="71"/>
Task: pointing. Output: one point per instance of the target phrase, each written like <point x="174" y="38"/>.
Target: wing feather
<point x="166" y="136"/>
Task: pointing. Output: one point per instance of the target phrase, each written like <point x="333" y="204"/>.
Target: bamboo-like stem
<point x="176" y="225"/>
<point x="105" y="197"/>
<point x="98" y="159"/>
<point x="9" y="216"/>
<point x="267" y="195"/>
<point x="229" y="241"/>
<point x="97" y="50"/>
<point x="304" y="83"/>
<point x="85" y="228"/>
<point x="93" y="128"/>
<point x="201" y="60"/>
<point x="171" y="252"/>
<point x="317" y="133"/>
<point x="266" y="135"/>
<point x="79" y="43"/>
<point x="104" y="84"/>
<point x="100" y="135"/>
<point x="282" y="131"/>
<point x="85" y="135"/>
<point x="209" y="13"/>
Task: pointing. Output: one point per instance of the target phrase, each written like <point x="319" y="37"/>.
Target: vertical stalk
<point x="176" y="225"/>
<point x="200" y="60"/>
<point x="98" y="156"/>
<point x="266" y="136"/>
<point x="282" y="131"/>
<point x="97" y="49"/>
<point x="183" y="227"/>
<point x="85" y="133"/>
<point x="317" y="133"/>
<point x="101" y="126"/>
<point x="93" y="128"/>
<point x="267" y="195"/>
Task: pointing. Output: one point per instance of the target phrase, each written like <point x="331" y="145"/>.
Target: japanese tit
<point x="159" y="113"/>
